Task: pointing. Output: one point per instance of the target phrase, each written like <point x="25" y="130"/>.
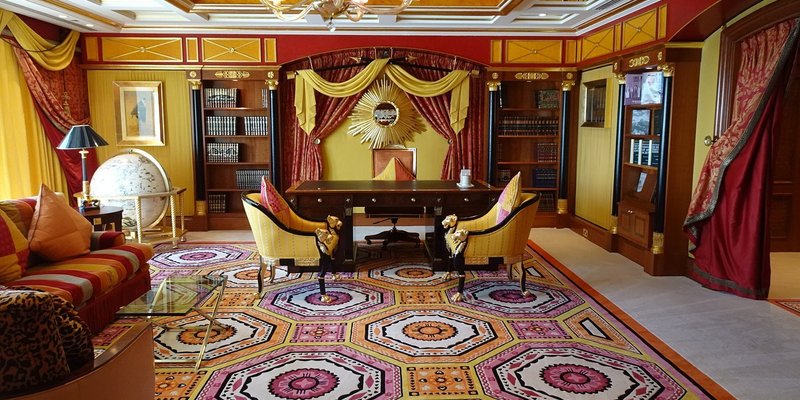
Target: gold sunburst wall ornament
<point x="384" y="116"/>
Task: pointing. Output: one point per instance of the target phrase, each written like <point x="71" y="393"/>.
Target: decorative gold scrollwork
<point x="531" y="76"/>
<point x="232" y="74"/>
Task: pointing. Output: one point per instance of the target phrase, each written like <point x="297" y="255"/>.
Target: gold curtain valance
<point x="49" y="57"/>
<point x="307" y="81"/>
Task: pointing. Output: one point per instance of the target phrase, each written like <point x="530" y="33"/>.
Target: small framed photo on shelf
<point x="652" y="83"/>
<point x="547" y="98"/>
<point x="641" y="182"/>
<point x="640" y="122"/>
<point x="633" y="89"/>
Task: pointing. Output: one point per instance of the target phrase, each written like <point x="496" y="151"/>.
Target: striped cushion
<point x="20" y="211"/>
<point x="80" y="279"/>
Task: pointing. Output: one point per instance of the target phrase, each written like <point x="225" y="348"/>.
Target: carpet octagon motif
<point x="391" y="332"/>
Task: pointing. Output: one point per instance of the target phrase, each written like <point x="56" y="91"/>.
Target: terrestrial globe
<point x="132" y="173"/>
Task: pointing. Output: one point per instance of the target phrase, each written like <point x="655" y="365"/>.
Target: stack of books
<point x="217" y="203"/>
<point x="546" y="152"/>
<point x="250" y="178"/>
<point x="528" y="126"/>
<point x="222" y="152"/>
<point x="220" y="125"/>
<point x="544" y="177"/>
<point x="221" y="97"/>
<point x="255" y="125"/>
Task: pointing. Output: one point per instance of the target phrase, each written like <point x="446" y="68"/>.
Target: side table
<point x="103" y="217"/>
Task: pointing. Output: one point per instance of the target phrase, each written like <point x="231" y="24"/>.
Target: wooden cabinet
<point x="237" y="142"/>
<point x="527" y="135"/>
<point x="656" y="153"/>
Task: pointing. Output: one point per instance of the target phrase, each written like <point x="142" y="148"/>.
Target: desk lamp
<point x="83" y="137"/>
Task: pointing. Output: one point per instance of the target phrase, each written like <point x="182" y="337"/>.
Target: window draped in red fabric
<point x="727" y="221"/>
<point x="304" y="160"/>
<point x="48" y="89"/>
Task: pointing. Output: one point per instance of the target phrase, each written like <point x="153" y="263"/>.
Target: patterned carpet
<point x="791" y="305"/>
<point x="392" y="333"/>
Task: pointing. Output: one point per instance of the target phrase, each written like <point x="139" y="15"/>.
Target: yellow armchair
<point x="296" y="241"/>
<point x="480" y="240"/>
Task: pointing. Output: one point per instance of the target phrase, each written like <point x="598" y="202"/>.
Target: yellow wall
<point x="595" y="167"/>
<point x="344" y="157"/>
<point x="707" y="91"/>
<point x="176" y="156"/>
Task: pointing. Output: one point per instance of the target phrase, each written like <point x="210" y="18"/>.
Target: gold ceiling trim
<point x="82" y="12"/>
<point x="183" y="5"/>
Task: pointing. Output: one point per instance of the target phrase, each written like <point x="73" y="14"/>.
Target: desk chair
<point x="394" y="164"/>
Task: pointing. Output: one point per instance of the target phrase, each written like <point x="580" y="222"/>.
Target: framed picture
<point x="547" y="98"/>
<point x="652" y="86"/>
<point x="633" y="89"/>
<point x="640" y="122"/>
<point x="140" y="113"/>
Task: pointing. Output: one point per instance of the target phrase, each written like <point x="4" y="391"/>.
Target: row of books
<point x="250" y="178"/>
<point x="545" y="177"/>
<point x="222" y="152"/>
<point x="217" y="203"/>
<point x="220" y="125"/>
<point x="547" y="202"/>
<point x="528" y="126"/>
<point x="221" y="97"/>
<point x="546" y="152"/>
<point x="645" y="152"/>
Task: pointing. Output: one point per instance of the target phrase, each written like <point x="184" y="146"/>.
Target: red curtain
<point x="304" y="160"/>
<point x="61" y="99"/>
<point x="727" y="219"/>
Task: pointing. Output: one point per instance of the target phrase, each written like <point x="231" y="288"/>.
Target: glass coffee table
<point x="178" y="296"/>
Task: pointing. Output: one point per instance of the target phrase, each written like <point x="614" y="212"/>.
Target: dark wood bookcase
<point x="527" y="135"/>
<point x="656" y="141"/>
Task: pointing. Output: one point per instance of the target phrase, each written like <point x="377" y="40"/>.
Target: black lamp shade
<point x="81" y="137"/>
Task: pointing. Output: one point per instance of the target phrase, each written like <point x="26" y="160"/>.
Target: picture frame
<point x="139" y="113"/>
<point x="640" y="122"/>
<point x="547" y="99"/>
<point x="652" y="88"/>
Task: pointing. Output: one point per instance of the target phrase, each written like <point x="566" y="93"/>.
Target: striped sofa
<point x="98" y="283"/>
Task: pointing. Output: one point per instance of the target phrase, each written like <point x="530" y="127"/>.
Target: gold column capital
<point x="668" y="69"/>
<point x="620" y="77"/>
<point x="562" y="205"/>
<point x="658" y="243"/>
<point x="614" y="225"/>
<point x="272" y="84"/>
<point x="566" y="86"/>
<point x="493" y="85"/>
<point x="194" y="84"/>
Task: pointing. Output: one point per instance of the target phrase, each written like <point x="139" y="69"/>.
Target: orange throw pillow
<point x="13" y="250"/>
<point x="57" y="230"/>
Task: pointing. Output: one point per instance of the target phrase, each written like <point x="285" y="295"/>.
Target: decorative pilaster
<point x="196" y="116"/>
<point x="274" y="130"/>
<point x="566" y="88"/>
<point x="494" y="114"/>
<point x="661" y="183"/>
<point x="619" y="137"/>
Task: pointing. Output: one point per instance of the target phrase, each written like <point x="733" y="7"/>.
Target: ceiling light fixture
<point x="330" y="9"/>
<point x="542" y="15"/>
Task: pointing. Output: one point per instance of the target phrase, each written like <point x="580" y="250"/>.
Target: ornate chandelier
<point x="330" y="9"/>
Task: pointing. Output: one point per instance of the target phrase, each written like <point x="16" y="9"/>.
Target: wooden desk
<point x="317" y="199"/>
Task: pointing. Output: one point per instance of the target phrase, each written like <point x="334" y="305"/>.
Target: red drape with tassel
<point x="727" y="219"/>
<point x="61" y="99"/>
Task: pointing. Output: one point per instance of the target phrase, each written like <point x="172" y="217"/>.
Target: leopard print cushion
<point x="76" y="337"/>
<point x="31" y="353"/>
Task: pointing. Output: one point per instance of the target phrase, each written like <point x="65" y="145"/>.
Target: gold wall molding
<point x="237" y="50"/>
<point x="598" y="44"/>
<point x="571" y="54"/>
<point x="91" y="48"/>
<point x="232" y="74"/>
<point x="270" y="50"/>
<point x="662" y="21"/>
<point x="531" y="76"/>
<point x="192" y="52"/>
<point x="533" y="51"/>
<point x="142" y="49"/>
<point x="496" y="56"/>
<point x="640" y="29"/>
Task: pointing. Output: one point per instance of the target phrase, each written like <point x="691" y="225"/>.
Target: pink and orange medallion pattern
<point x="391" y="333"/>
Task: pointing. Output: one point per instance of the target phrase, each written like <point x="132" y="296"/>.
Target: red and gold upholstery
<point x="482" y="240"/>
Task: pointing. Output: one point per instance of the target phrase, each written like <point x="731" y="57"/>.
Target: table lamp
<point x="83" y="137"/>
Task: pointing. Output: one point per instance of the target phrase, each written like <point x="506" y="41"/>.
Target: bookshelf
<point x="655" y="156"/>
<point x="236" y="141"/>
<point x="527" y="135"/>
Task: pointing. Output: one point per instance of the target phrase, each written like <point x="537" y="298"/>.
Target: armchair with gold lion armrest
<point x="296" y="240"/>
<point x="481" y="240"/>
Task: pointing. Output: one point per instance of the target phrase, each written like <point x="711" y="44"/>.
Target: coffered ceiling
<point x="440" y="17"/>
